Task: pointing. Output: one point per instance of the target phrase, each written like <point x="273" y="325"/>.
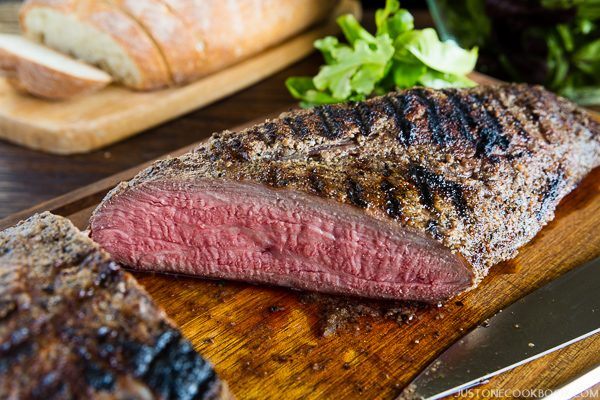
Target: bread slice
<point x="172" y="37"/>
<point x="101" y="34"/>
<point x="8" y="61"/>
<point x="229" y="31"/>
<point x="45" y="72"/>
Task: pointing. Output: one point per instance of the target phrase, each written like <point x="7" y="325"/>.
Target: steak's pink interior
<point x="242" y="231"/>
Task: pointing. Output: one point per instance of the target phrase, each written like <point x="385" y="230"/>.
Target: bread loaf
<point x="99" y="33"/>
<point x="148" y="44"/>
<point x="46" y="73"/>
<point x="230" y="30"/>
<point x="172" y="37"/>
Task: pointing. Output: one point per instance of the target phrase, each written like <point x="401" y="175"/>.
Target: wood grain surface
<point x="267" y="343"/>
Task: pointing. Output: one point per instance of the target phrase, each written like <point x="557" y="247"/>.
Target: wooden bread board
<point x="88" y="123"/>
<point x="265" y="341"/>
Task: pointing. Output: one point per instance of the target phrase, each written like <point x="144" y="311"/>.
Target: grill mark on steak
<point x="490" y="133"/>
<point x="97" y="377"/>
<point x="432" y="228"/>
<point x="355" y="194"/>
<point x="532" y="114"/>
<point x="550" y="192"/>
<point x="463" y="116"/>
<point x="275" y="177"/>
<point x="505" y="114"/>
<point x="297" y="126"/>
<point x="436" y="124"/>
<point x="79" y="321"/>
<point x="489" y="166"/>
<point x="363" y="116"/>
<point x="270" y="132"/>
<point x="393" y="207"/>
<point x="329" y="125"/>
<point x="161" y="367"/>
<point x="398" y="107"/>
<point x="316" y="182"/>
<point x="428" y="183"/>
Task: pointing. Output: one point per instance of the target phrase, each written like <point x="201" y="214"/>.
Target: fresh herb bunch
<point x="551" y="42"/>
<point x="397" y="56"/>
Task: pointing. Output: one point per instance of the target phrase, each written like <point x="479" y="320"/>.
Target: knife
<point x="558" y="314"/>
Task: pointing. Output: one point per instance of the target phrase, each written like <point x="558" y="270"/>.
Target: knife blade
<point x="560" y="313"/>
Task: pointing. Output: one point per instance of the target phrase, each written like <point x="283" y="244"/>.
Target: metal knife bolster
<point x="560" y="313"/>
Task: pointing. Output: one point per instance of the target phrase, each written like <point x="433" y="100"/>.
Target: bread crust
<point x="8" y="61"/>
<point x="28" y="69"/>
<point x="125" y="31"/>
<point x="229" y="30"/>
<point x="175" y="41"/>
<point x="43" y="81"/>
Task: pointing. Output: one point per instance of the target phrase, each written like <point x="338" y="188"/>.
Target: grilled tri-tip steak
<point x="413" y="195"/>
<point x="74" y="325"/>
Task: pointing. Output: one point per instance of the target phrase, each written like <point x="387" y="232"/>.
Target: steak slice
<point x="74" y="325"/>
<point x="413" y="195"/>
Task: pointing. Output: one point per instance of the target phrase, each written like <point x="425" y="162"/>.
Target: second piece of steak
<point x="413" y="195"/>
<point x="73" y="325"/>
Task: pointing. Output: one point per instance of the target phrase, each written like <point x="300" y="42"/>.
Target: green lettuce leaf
<point x="441" y="56"/>
<point x="357" y="69"/>
<point x="393" y="20"/>
<point x="440" y="80"/>
<point x="406" y="75"/>
<point x="353" y="31"/>
<point x="326" y="46"/>
<point x="303" y="89"/>
<point x="397" y="56"/>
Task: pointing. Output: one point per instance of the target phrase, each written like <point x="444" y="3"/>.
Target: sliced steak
<point x="74" y="325"/>
<point x="413" y="195"/>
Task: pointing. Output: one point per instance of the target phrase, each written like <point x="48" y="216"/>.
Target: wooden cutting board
<point x="87" y="123"/>
<point x="267" y="342"/>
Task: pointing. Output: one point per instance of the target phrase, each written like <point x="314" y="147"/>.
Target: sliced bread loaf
<point x="149" y="44"/>
<point x="44" y="72"/>
<point x="99" y="33"/>
<point x="230" y="30"/>
<point x="172" y="37"/>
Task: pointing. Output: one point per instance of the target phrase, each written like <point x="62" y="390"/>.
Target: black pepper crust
<point x="480" y="170"/>
<point x="74" y="325"/>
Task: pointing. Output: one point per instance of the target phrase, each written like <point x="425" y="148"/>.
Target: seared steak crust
<point x="74" y="325"/>
<point x="480" y="170"/>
